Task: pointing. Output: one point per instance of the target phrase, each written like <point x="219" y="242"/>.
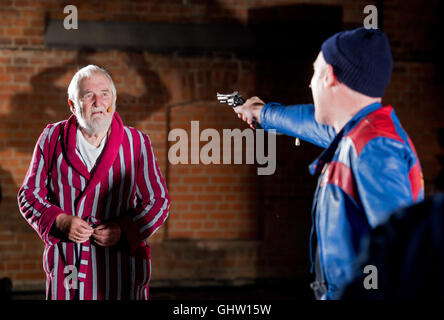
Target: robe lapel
<point x="109" y="153"/>
<point x="69" y="138"/>
<point x="107" y="158"/>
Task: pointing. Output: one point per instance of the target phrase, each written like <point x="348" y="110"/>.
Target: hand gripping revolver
<point x="234" y="100"/>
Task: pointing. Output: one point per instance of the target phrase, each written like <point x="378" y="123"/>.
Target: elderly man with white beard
<point x="94" y="193"/>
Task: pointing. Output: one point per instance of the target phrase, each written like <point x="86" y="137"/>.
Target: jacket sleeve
<point x="152" y="199"/>
<point x="33" y="199"/>
<point x="297" y="121"/>
<point x="383" y="179"/>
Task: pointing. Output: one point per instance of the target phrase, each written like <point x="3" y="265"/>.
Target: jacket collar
<point x="326" y="156"/>
<point x="109" y="153"/>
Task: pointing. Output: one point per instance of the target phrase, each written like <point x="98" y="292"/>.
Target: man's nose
<point x="98" y="101"/>
<point x="311" y="83"/>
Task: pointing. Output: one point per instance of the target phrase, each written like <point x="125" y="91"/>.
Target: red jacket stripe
<point x="340" y="175"/>
<point x="376" y="124"/>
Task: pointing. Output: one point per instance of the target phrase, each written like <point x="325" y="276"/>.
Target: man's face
<point x="318" y="89"/>
<point x="95" y="99"/>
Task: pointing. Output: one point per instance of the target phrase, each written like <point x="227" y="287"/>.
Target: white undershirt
<point x="87" y="152"/>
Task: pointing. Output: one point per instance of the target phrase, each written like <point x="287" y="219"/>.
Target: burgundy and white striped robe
<point x="126" y="186"/>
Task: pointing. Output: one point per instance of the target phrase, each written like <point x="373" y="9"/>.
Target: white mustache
<point x="100" y="109"/>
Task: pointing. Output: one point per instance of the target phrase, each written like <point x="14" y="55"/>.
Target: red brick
<point x="6" y="239"/>
<point x="195" y="225"/>
<point x="193" y="216"/>
<point x="5" y="78"/>
<point x="195" y="179"/>
<point x="184" y="197"/>
<point x="208" y="234"/>
<point x="181" y="234"/>
<point x="209" y="197"/>
<point x="12" y="31"/>
<point x="13" y="266"/>
<point x="30" y="276"/>
<point x="180" y="225"/>
<point x="224" y="179"/>
<point x="209" y="225"/>
<point x="223" y="216"/>
<point x="196" y="188"/>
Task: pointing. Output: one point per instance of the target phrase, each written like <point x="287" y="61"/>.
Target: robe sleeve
<point x="33" y="199"/>
<point x="152" y="199"/>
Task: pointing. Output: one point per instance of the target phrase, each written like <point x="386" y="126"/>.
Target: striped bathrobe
<point x="126" y="186"/>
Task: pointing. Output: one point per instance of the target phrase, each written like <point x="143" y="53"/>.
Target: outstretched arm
<point x="296" y="121"/>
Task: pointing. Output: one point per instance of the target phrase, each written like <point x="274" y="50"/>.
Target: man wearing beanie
<point x="369" y="167"/>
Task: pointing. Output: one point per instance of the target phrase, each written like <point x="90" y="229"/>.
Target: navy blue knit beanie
<point x="361" y="59"/>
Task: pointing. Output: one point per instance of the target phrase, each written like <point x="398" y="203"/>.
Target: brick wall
<point x="226" y="222"/>
<point x="416" y="86"/>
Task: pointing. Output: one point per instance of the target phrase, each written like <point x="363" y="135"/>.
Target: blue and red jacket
<point x="369" y="169"/>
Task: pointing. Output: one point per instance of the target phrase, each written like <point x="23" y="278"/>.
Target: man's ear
<point x="71" y="105"/>
<point x="329" y="77"/>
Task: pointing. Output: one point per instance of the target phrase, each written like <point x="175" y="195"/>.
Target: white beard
<point x="94" y="126"/>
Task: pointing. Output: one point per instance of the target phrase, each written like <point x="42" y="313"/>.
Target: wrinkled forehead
<point x="97" y="81"/>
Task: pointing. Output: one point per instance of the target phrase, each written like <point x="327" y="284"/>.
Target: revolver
<point x="234" y="100"/>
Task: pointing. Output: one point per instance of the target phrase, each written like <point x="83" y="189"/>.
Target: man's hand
<point x="107" y="235"/>
<point x="250" y="111"/>
<point x="76" y="229"/>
